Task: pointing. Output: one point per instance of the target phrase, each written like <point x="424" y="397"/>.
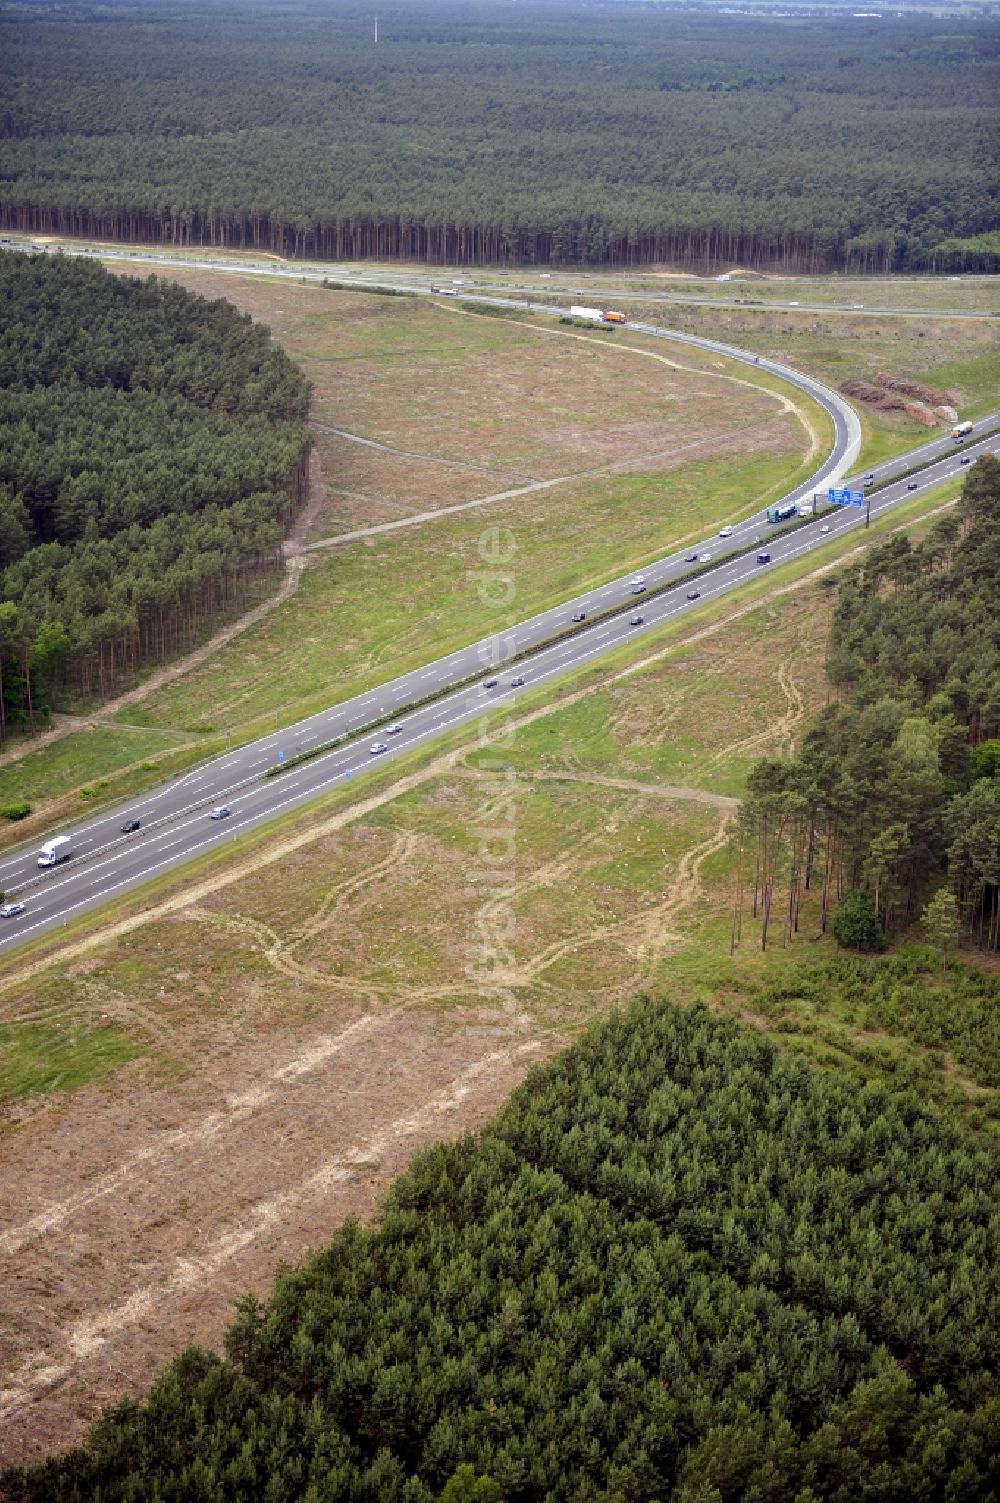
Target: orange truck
<point x="599" y="315"/>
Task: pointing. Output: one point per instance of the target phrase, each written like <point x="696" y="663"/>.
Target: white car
<point x="11" y="910"/>
<point x="805" y="511"/>
<point x="704" y="558"/>
<point x="725" y="532"/>
<point x="377" y="748"/>
<point x="639" y="579"/>
<point x="825" y="527"/>
<point x="393" y="730"/>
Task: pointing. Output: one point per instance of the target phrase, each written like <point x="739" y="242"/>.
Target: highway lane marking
<point x="560" y="664"/>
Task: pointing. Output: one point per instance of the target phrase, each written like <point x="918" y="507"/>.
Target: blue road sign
<point x="842" y="495"/>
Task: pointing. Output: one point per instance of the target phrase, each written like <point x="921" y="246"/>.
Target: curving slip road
<point x="175" y="823"/>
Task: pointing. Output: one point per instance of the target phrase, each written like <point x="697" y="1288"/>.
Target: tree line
<point x="593" y="134"/>
<point x="676" y="1267"/>
<point x="896" y="788"/>
<point x="152" y="454"/>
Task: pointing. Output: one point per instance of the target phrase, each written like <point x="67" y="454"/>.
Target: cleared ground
<point x="617" y="455"/>
<point x="214" y="1089"/>
<point x="956" y="355"/>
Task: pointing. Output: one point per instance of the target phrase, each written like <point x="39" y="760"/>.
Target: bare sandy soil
<point x="309" y="1024"/>
<point x="134" y="1219"/>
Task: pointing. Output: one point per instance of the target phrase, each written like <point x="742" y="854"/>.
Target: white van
<point x="54" y="851"/>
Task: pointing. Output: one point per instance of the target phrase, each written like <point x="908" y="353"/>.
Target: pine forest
<point x="675" y="1267"/>
<point x="152" y="454"/>
<point x="897" y="784"/>
<point x="487" y="134"/>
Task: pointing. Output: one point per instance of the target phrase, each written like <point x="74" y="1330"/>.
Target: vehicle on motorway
<point x="965" y="459"/>
<point x="691" y="558"/>
<point x="11" y="910"/>
<point x="580" y="616"/>
<point x="635" y="621"/>
<point x="638" y="589"/>
<point x="781" y="513"/>
<point x="725" y="532"/>
<point x="393" y="730"/>
<point x="599" y="315"/>
<point x="638" y="579"/>
<point x="221" y="811"/>
<point x="961" y="430"/>
<point x="911" y="485"/>
<point x="805" y="510"/>
<point x="130" y="826"/>
<point x="516" y="683"/>
<point x="825" y="527"/>
<point x="704" y="558"/>
<point x="54" y="851"/>
<point x="377" y="748"/>
<point x="763" y="558"/>
<point x="694" y="594"/>
<point x="490" y="683"/>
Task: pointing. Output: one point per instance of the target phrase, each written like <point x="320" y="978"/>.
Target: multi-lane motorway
<point x="175" y="822"/>
<point x="361" y="275"/>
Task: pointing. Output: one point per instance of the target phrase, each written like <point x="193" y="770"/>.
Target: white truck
<point x="579" y="312"/>
<point x="54" y="851"/>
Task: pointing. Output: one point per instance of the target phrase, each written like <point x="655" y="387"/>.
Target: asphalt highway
<point x="413" y="280"/>
<point x="175" y="822"/>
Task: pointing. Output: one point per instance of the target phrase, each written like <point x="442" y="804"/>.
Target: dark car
<point x="223" y="811"/>
<point x="580" y="616"/>
<point x="490" y="683"/>
<point x="130" y="826"/>
<point x="636" y="621"/>
<point x="965" y="459"/>
<point x="694" y="594"/>
<point x="516" y="683"/>
<point x="911" y="485"/>
<point x="691" y="558"/>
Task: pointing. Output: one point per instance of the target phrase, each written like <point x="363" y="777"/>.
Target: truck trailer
<point x="961" y="430"/>
<point x="598" y="315"/>
<point x="54" y="851"/>
<point x="781" y="513"/>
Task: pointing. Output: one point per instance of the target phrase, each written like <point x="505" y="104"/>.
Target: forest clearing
<point x="312" y="1014"/>
<point x="585" y="527"/>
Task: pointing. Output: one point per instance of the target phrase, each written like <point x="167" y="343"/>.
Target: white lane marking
<point x="546" y="672"/>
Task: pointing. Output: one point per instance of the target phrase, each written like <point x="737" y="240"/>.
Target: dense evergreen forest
<point x="897" y="785"/>
<point x="674" y="1268"/>
<point x="152" y="452"/>
<point x="493" y="132"/>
